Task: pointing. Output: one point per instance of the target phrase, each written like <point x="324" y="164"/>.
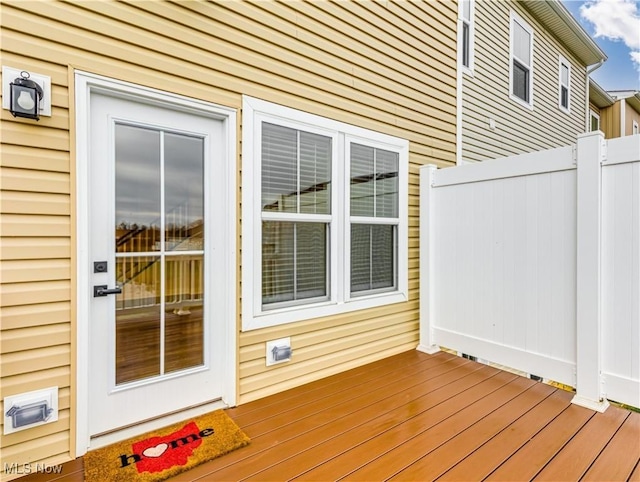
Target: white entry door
<point x="156" y="255"/>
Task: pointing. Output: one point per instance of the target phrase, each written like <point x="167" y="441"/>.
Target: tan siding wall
<point x="486" y="93"/>
<point x="630" y="115"/>
<point x="388" y="66"/>
<point x="610" y="121"/>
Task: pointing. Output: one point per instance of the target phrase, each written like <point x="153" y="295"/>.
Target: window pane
<point x="279" y="168"/>
<point x="184" y="322"/>
<point x="294" y="261"/>
<point x="374" y="182"/>
<point x="386" y="183"/>
<point x="184" y="192"/>
<point x="564" y="74"/>
<point x="372" y="257"/>
<point x="362" y="180"/>
<point x="296" y="170"/>
<point x="520" y="81"/>
<point x="315" y="173"/>
<point x="137" y="222"/>
<point x="465" y="44"/>
<point x="138" y="318"/>
<point x="564" y="97"/>
<point x="522" y="44"/>
<point x="595" y="123"/>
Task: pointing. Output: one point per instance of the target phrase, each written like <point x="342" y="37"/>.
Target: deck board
<point x="422" y="417"/>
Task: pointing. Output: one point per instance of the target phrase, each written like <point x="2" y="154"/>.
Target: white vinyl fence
<point x="533" y="262"/>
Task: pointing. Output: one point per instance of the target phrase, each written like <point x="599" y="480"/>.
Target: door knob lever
<point x="103" y="290"/>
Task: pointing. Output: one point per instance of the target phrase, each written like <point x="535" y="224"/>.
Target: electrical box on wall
<point x="30" y="409"/>
<point x="279" y="351"/>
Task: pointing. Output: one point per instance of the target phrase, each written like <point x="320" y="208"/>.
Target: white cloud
<point x="615" y="20"/>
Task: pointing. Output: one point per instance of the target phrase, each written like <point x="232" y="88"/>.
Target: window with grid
<point x="324" y="216"/>
<point x="564" y="84"/>
<point x="521" y="61"/>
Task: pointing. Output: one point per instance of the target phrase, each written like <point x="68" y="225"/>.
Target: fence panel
<point x="621" y="271"/>
<point x="507" y="268"/>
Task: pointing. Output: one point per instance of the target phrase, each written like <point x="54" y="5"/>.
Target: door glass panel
<point x="184" y="193"/>
<point x="137" y="189"/>
<point x="159" y="315"/>
<point x="184" y="330"/>
<point x="138" y="321"/>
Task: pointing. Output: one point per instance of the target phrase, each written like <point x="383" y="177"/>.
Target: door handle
<point x="103" y="290"/>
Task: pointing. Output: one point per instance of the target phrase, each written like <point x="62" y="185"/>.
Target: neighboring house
<point x="615" y="113"/>
<point x="244" y="172"/>
<point x="524" y="77"/>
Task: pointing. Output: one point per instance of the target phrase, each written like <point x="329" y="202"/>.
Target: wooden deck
<point x="423" y="417"/>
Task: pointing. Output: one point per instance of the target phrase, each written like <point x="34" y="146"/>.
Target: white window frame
<point x="592" y="114"/>
<point x="467" y="69"/>
<point x="564" y="62"/>
<point x="254" y="316"/>
<point x="515" y="18"/>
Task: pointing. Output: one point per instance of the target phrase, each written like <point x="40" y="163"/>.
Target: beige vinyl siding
<point x="389" y="67"/>
<point x="630" y="115"/>
<point x="486" y="93"/>
<point x="610" y="121"/>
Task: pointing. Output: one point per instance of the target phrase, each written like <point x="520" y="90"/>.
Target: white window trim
<point x="593" y="113"/>
<point x="340" y="301"/>
<point x="562" y="61"/>
<point x="514" y="17"/>
<point x="469" y="70"/>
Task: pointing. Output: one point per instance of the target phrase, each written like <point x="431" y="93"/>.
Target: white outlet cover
<point x="49" y="395"/>
<point x="279" y="343"/>
<point x="9" y="74"/>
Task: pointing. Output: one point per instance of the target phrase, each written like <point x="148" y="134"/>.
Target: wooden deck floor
<point x="424" y="417"/>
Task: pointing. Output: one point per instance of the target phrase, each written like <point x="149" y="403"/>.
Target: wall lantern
<point x="26" y="96"/>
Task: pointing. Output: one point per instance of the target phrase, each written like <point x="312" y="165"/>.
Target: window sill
<point x="521" y="102"/>
<point x="293" y="314"/>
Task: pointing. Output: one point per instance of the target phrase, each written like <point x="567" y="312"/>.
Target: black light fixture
<point x="25" y="97"/>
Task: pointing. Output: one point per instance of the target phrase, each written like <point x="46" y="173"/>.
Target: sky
<point x="615" y="27"/>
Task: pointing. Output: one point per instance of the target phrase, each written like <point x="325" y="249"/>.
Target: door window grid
<point x="159" y="251"/>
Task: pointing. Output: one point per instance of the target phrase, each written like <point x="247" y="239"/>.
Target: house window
<point x="296" y="214"/>
<point x="594" y="121"/>
<point x="564" y="87"/>
<point x="521" y="75"/>
<point x="324" y="213"/>
<point x="467" y="12"/>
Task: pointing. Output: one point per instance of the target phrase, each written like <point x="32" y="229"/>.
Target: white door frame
<point x="85" y="83"/>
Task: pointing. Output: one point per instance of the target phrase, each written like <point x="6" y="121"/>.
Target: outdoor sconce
<point x="25" y="96"/>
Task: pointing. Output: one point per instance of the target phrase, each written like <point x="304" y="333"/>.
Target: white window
<point x="635" y="128"/>
<point x="521" y="62"/>
<point x="467" y="40"/>
<point x="564" y="85"/>
<point x="594" y="121"/>
<point x="324" y="216"/>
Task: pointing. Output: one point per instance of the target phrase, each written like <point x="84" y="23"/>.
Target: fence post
<point x="591" y="151"/>
<point x="427" y="212"/>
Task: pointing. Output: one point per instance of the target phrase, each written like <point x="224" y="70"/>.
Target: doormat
<point x="166" y="452"/>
